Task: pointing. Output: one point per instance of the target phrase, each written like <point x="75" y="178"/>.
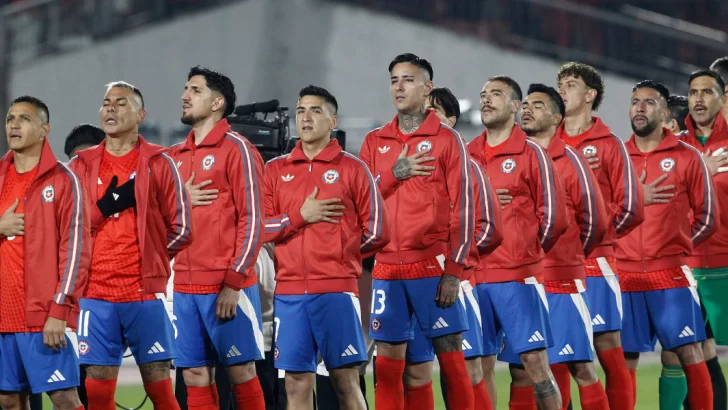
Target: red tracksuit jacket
<point x="432" y="215"/>
<point x="322" y="257"/>
<point x="712" y="253"/>
<point x="621" y="189"/>
<point x="667" y="236"/>
<point x="586" y="213"/>
<point x="537" y="215"/>
<point x="57" y="241"/>
<point x="233" y="222"/>
<point x="162" y="203"/>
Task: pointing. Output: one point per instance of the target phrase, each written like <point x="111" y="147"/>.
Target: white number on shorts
<point x="278" y="326"/>
<point x="381" y="300"/>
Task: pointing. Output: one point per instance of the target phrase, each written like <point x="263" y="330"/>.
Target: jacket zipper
<point x="303" y="237"/>
<point x="192" y="169"/>
<point x="396" y="210"/>
<point x="25" y="253"/>
<point x="642" y="254"/>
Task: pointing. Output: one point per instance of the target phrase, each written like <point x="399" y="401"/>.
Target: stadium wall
<point x="271" y="50"/>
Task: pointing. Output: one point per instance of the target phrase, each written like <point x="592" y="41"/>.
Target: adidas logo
<point x="384" y="149"/>
<point x="179" y="164"/>
<point x="56" y="377"/>
<point x="234" y="352"/>
<point x="100" y="183"/>
<point x="287" y="177"/>
<point x="686" y="332"/>
<point x="440" y="324"/>
<point x="156" y="348"/>
<point x="567" y="350"/>
<point x="598" y="320"/>
<point x="116" y="196"/>
<point x="536" y="337"/>
<point x="350" y="351"/>
<point x="466" y="345"/>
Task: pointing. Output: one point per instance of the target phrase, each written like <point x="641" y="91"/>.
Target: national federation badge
<point x="330" y="176"/>
<point x="48" y="193"/>
<point x="424" y="146"/>
<point x="508" y="166"/>
<point x="667" y="164"/>
<point x="208" y="162"/>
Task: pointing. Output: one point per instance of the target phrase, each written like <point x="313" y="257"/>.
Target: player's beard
<point x="647" y="129"/>
<point x="535" y="127"/>
<point x="189" y="120"/>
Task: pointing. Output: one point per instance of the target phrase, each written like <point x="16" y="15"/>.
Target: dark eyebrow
<point x="403" y="76"/>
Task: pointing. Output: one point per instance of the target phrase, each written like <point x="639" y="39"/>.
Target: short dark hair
<point x="720" y="66"/>
<point x="415" y="61"/>
<point x="709" y="73"/>
<point x="84" y="134"/>
<point x="320" y="92"/>
<point x="37" y="103"/>
<point x="443" y="97"/>
<point x="124" y="84"/>
<point x="516" y="93"/>
<point x="589" y="75"/>
<point x="661" y="89"/>
<point x="557" y="103"/>
<point x="217" y="82"/>
<point x="679" y="110"/>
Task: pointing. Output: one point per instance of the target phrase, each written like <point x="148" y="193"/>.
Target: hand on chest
<point x="297" y="181"/>
<point x="511" y="173"/>
<point x="207" y="166"/>
<point x="420" y="151"/>
<point x="667" y="168"/>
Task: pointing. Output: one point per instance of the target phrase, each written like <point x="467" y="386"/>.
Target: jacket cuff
<point x="387" y="182"/>
<point x="297" y="221"/>
<point x="59" y="312"/>
<point x="234" y="280"/>
<point x="455" y="269"/>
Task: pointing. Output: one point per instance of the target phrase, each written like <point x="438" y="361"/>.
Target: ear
<point x="141" y="115"/>
<point x="218" y="104"/>
<point x="724" y="98"/>
<point x="556" y="118"/>
<point x="46" y="130"/>
<point x="674" y="126"/>
<point x="451" y="121"/>
<point x="334" y="122"/>
<point x="591" y="95"/>
<point x="516" y="106"/>
<point x="428" y="87"/>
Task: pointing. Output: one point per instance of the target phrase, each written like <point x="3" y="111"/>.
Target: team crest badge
<point x="330" y="176"/>
<point x="667" y="164"/>
<point x="424" y="146"/>
<point x="133" y="175"/>
<point x="48" y="193"/>
<point x="376" y="325"/>
<point x="83" y="348"/>
<point x="589" y="150"/>
<point x="208" y="162"/>
<point x="276" y="353"/>
<point x="508" y="166"/>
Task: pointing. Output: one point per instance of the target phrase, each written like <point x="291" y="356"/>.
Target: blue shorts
<point x="396" y="302"/>
<point x="672" y="315"/>
<point x="27" y="364"/>
<point x="520" y="310"/>
<point x="605" y="299"/>
<point x="420" y="349"/>
<point x="328" y="324"/>
<point x="204" y="340"/>
<point x="106" y="328"/>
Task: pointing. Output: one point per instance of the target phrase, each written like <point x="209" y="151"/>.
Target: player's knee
<point x="392" y="350"/>
<point x="519" y="376"/>
<point x="299" y="383"/>
<point x="584" y="373"/>
<point x="690" y="354"/>
<point x="607" y="340"/>
<point x="709" y="349"/>
<point x="487" y="364"/>
<point x="242" y="372"/>
<point x="10" y="401"/>
<point x="535" y="359"/>
<point x="632" y="360"/>
<point x="418" y="374"/>
<point x="447" y="343"/>
<point x="65" y="399"/>
<point x="198" y="376"/>
<point x="345" y="381"/>
<point x="155" y="371"/>
<point x="475" y="370"/>
<point x="102" y="372"/>
<point x="669" y="358"/>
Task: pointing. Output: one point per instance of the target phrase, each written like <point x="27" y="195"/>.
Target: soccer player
<point x="429" y="195"/>
<point x="42" y="278"/>
<point x="707" y="131"/>
<point x="678" y="106"/>
<point x="81" y="137"/>
<point x="720" y="66"/>
<point x="582" y="89"/>
<point x="542" y="112"/>
<point x="140" y="219"/>
<point x="510" y="280"/>
<point x="660" y="300"/>
<point x="324" y="212"/>
<point x="216" y="298"/>
<point x="488" y="235"/>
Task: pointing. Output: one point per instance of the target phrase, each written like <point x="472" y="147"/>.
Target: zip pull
<point x="310" y="167"/>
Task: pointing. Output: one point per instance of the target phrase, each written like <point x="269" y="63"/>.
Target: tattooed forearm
<point x="408" y="123"/>
<point x="402" y="169"/>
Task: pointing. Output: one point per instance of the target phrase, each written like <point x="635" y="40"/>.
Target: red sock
<point x="593" y="397"/>
<point x="100" y="393"/>
<point x="457" y="381"/>
<point x="215" y="394"/>
<point x="633" y="376"/>
<point x="619" y="387"/>
<point x="419" y="398"/>
<point x="482" y="398"/>
<point x="162" y="395"/>
<point x="700" y="389"/>
<point x="79" y="408"/>
<point x="249" y="395"/>
<point x="522" y="398"/>
<point x="563" y="380"/>
<point x="389" y="392"/>
<point x="200" y="398"/>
